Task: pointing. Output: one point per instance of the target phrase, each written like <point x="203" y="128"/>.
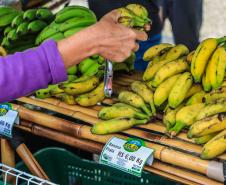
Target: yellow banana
<point x="215" y="95"/>
<point x="2" y="51"/>
<point x="204" y="139"/>
<point x="115" y="125"/>
<point x="56" y="90"/>
<point x="156" y="50"/>
<point x="75" y="88"/>
<point x="180" y="89"/>
<point x="66" y="98"/>
<point x="138" y="10"/>
<point x="173" y="54"/>
<point x="141" y="89"/>
<point x="208" y="125"/>
<point x="195" y="88"/>
<point x="134" y="100"/>
<point x="162" y="91"/>
<point x="216" y="67"/>
<point x="211" y="109"/>
<point x="206" y="84"/>
<point x="186" y="117"/>
<point x="215" y="146"/>
<point x="190" y="56"/>
<point x="168" y="70"/>
<point x="201" y="57"/>
<point x="199" y="97"/>
<point x="93" y="97"/>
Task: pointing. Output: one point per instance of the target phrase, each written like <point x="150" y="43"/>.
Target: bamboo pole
<point x="8" y="158"/>
<point x="181" y="175"/>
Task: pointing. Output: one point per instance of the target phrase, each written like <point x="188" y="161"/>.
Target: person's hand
<point x="115" y="41"/>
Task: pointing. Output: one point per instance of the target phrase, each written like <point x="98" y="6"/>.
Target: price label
<point x="7" y="119"/>
<point x="127" y="155"/>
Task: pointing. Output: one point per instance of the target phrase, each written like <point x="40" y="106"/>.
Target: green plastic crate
<point x="65" y="168"/>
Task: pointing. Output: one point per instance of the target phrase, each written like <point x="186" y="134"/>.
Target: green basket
<point x="65" y="168"/>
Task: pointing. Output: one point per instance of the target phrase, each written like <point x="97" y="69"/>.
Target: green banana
<point x="12" y="35"/>
<point x="75" y="88"/>
<point x="93" y="97"/>
<point x="56" y="90"/>
<point x="71" y="78"/>
<point x="72" y="70"/>
<point x="75" y="23"/>
<point x="17" y="20"/>
<point x="168" y="70"/>
<point x="44" y="93"/>
<point x="44" y="14"/>
<point x="85" y="65"/>
<point x="6" y="10"/>
<point x="6" y="19"/>
<point x="134" y="100"/>
<point x="75" y="11"/>
<point x="36" y="26"/>
<point x="204" y="139"/>
<point x="7" y="30"/>
<point x="185" y="117"/>
<point x="5" y="43"/>
<point x="141" y="89"/>
<point x="30" y="15"/>
<point x="208" y="125"/>
<point x="113" y="112"/>
<point x="56" y="37"/>
<point x="72" y="31"/>
<point x="180" y="89"/>
<point x="93" y="69"/>
<point x="162" y="92"/>
<point x="22" y="29"/>
<point x="115" y="125"/>
<point x="199" y="97"/>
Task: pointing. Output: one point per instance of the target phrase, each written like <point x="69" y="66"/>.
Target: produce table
<point x="176" y="159"/>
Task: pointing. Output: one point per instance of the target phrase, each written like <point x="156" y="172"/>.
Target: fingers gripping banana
<point x="134" y="100"/>
<point x="208" y="125"/>
<point x="180" y="89"/>
<point x="141" y="89"/>
<point x="156" y="50"/>
<point x="168" y="70"/>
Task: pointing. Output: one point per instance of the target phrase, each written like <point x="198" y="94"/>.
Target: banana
<point x="208" y="125"/>
<point x="20" y="48"/>
<point x="22" y="29"/>
<point x="156" y="50"/>
<point x="130" y="61"/>
<point x="216" y="67"/>
<point x="68" y="99"/>
<point x="169" y="117"/>
<point x="201" y="57"/>
<point x="120" y="67"/>
<point x="206" y="84"/>
<point x="6" y="19"/>
<point x="17" y="20"/>
<point x="7" y="30"/>
<point x="29" y="15"/>
<point x="72" y="70"/>
<point x="56" y="90"/>
<point x="75" y="23"/>
<point x="215" y="95"/>
<point x="134" y="100"/>
<point x="75" y="88"/>
<point x="93" y="97"/>
<point x="56" y="37"/>
<point x="185" y="117"/>
<point x="72" y="31"/>
<point x="6" y="10"/>
<point x="211" y="109"/>
<point x="45" y="34"/>
<point x="190" y="56"/>
<point x="85" y="65"/>
<point x="72" y="12"/>
<point x="115" y="125"/>
<point x="44" y="14"/>
<point x="36" y="26"/>
<point x="2" y="51"/>
<point x="180" y="89"/>
<point x="204" y="139"/>
<point x="168" y="70"/>
<point x="162" y="91"/>
<point x="173" y="54"/>
<point x="199" y="97"/>
<point x="138" y="10"/>
<point x="12" y="35"/>
<point x="44" y="93"/>
<point x="195" y="88"/>
<point x="113" y="112"/>
<point x="126" y="105"/>
<point x="93" y="69"/>
<point x="5" y="42"/>
<point x="141" y="89"/>
<point x="71" y="78"/>
<point x="215" y="146"/>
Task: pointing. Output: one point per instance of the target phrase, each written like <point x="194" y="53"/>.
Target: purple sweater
<point x="25" y="72"/>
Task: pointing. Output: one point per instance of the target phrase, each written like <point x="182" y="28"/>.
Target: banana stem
<point x="139" y="122"/>
<point x="169" y="125"/>
<point x="153" y="110"/>
<point x="141" y="115"/>
<point x="221" y="40"/>
<point x="146" y="110"/>
<point x="177" y="128"/>
<point x="189" y="134"/>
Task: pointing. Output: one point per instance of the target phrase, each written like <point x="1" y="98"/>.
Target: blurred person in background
<point x="101" y="7"/>
<point x="185" y="17"/>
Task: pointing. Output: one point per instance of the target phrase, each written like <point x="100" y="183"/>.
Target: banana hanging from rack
<point x="208" y="125"/>
<point x="141" y="89"/>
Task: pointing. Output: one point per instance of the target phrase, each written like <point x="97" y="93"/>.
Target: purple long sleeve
<point x="25" y="72"/>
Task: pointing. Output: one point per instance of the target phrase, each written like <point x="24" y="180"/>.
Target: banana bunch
<point x="134" y="16"/>
<point x="68" y="21"/>
<point x="20" y="32"/>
